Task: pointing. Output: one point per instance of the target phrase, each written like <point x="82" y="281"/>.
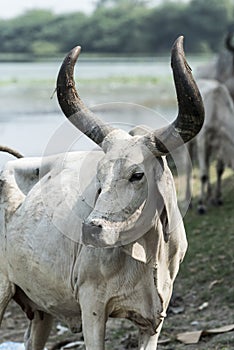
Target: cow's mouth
<point x="100" y="232"/>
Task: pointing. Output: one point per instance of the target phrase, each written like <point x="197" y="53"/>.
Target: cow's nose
<point x="91" y="233"/>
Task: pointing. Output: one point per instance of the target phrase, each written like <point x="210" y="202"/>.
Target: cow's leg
<point x="93" y="325"/>
<point x="7" y="291"/>
<point x="93" y="320"/>
<point x="188" y="168"/>
<point x="219" y="171"/>
<point x="203" y="194"/>
<point x="204" y="165"/>
<point x="149" y="342"/>
<point x="38" y="331"/>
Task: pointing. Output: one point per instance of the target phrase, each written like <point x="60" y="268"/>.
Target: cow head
<point x="132" y="172"/>
<point x="126" y="202"/>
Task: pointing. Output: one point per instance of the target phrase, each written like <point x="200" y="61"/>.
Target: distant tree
<point x="66" y="30"/>
<point x="118" y="30"/>
<point x="44" y="48"/>
<point x="19" y="33"/>
<point x="165" y="24"/>
<point x="209" y="20"/>
<point x="121" y="26"/>
<point x="117" y="3"/>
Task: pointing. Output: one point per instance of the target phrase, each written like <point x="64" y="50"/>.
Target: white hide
<point x="218" y="128"/>
<point x="215" y="141"/>
<point x="221" y="68"/>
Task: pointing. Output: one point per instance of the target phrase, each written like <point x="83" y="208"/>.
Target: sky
<point x="12" y="8"/>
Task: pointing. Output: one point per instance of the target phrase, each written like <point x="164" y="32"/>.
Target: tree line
<point x="117" y="26"/>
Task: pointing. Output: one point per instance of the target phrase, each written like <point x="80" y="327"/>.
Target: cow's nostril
<point x="91" y="228"/>
<point x="91" y="233"/>
<point x="94" y="224"/>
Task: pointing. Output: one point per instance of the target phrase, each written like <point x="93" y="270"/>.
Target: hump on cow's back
<point x="24" y="173"/>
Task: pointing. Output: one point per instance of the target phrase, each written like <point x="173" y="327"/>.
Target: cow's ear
<point x="144" y="249"/>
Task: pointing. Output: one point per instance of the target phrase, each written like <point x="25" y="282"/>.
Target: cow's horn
<point x="73" y="107"/>
<point x="191" y="111"/>
<point x="11" y="151"/>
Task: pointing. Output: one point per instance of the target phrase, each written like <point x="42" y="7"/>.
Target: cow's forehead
<point x="131" y="150"/>
<point x="125" y="156"/>
<point x="120" y="144"/>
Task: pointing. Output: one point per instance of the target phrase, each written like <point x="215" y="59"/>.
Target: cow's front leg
<point x="220" y="166"/>
<point x="7" y="290"/>
<point x="147" y="341"/>
<point x="93" y="320"/>
<point x="38" y="331"/>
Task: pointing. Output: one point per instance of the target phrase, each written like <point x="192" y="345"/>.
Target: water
<point x="88" y="69"/>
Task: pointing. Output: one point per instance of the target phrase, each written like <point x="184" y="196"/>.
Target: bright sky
<point x="12" y="8"/>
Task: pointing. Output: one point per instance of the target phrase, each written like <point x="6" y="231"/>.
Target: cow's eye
<point x="136" y="177"/>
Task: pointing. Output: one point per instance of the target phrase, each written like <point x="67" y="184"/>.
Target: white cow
<point x="90" y="235"/>
<point x="215" y="141"/>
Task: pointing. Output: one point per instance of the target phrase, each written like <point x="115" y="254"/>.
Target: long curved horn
<point x="228" y="42"/>
<point x="73" y="107"/>
<point x="11" y="151"/>
<point x="191" y="111"/>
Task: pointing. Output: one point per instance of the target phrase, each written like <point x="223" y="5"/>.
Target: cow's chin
<point x="102" y="233"/>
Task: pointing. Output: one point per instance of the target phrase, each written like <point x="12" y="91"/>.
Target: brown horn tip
<point x="191" y="110"/>
<point x="11" y="151"/>
<point x="69" y="62"/>
<point x="66" y="91"/>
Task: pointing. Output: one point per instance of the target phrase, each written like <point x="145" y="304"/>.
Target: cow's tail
<point x="11" y="151"/>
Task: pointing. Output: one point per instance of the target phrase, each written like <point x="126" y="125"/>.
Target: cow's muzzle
<point x="94" y="234"/>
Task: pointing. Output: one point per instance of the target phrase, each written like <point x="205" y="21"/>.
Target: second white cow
<point x="215" y="142"/>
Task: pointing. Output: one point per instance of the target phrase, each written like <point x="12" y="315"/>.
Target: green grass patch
<point x="25" y="82"/>
<point x="112" y="81"/>
<point x="122" y="80"/>
<point x="209" y="263"/>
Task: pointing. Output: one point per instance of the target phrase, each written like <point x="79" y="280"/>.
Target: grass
<point x="118" y="80"/>
<point x="25" y="82"/>
<point x="209" y="262"/>
<point x="206" y="274"/>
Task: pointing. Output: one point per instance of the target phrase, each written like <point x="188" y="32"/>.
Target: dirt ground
<point x="183" y="316"/>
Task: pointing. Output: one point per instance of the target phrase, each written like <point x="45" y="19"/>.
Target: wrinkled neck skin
<point x="126" y="207"/>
